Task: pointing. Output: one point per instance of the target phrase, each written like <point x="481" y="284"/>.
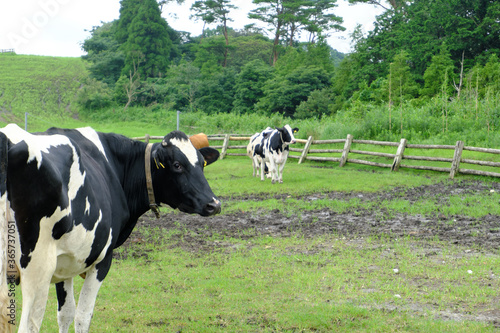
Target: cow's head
<point x="287" y="133"/>
<point x="178" y="178"/>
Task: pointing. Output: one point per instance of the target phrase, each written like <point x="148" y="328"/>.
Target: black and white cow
<point x="255" y="145"/>
<point x="271" y="149"/>
<point x="76" y="195"/>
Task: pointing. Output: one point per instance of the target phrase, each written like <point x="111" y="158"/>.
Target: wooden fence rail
<point x="395" y="160"/>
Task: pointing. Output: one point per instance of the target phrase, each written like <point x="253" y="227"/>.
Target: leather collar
<point x="149" y="181"/>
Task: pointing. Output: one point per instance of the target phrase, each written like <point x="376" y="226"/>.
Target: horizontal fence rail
<point x="395" y="161"/>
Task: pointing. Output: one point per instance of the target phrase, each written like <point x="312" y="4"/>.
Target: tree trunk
<point x="274" y="56"/>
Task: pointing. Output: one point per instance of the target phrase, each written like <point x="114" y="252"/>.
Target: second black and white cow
<point x="74" y="196"/>
<point x="270" y="149"/>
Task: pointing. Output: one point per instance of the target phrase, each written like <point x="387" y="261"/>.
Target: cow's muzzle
<point x="212" y="208"/>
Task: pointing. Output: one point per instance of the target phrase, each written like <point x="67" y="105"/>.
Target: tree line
<point x="419" y="52"/>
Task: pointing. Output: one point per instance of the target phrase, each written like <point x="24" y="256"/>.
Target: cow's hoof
<point x="281" y="182"/>
<point x="274" y="182"/>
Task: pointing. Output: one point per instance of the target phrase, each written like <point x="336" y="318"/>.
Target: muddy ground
<point x="482" y="232"/>
<point x="474" y="234"/>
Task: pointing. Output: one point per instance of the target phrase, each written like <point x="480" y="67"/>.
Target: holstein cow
<point x="75" y="195"/>
<point x="255" y="145"/>
<point x="273" y="151"/>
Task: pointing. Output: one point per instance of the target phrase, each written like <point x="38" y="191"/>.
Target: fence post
<point x="347" y="148"/>
<point x="178" y="119"/>
<point x="399" y="155"/>
<point x="146" y="138"/>
<point x="306" y="149"/>
<point x="457" y="157"/>
<point x="224" y="146"/>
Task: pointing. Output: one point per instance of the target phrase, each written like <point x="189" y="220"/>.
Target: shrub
<point x="94" y="95"/>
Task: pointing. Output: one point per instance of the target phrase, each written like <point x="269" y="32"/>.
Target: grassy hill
<point x="45" y="87"/>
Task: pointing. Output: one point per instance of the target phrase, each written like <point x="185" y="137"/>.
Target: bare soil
<point x="483" y="233"/>
<point x="474" y="234"/>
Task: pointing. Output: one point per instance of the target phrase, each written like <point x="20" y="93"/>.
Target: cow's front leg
<point x="66" y="304"/>
<point x="273" y="170"/>
<point x="280" y="172"/>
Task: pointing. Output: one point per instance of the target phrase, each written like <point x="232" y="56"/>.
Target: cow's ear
<point x="209" y="154"/>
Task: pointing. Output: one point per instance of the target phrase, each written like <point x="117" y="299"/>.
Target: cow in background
<point x="254" y="146"/>
<point x="273" y="150"/>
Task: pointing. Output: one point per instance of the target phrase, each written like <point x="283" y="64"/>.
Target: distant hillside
<point x="45" y="87"/>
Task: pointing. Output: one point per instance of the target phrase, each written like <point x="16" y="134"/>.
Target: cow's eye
<point x="177" y="166"/>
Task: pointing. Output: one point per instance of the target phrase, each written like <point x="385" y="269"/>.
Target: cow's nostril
<point x="213" y="207"/>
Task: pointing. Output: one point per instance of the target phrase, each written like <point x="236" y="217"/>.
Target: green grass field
<point x="250" y="282"/>
<point x="325" y="283"/>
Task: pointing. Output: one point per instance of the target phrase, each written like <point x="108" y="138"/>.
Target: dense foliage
<point x="142" y="61"/>
<point x="429" y="69"/>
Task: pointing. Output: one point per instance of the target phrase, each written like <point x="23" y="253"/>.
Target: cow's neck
<point x="133" y="181"/>
<point x="137" y="194"/>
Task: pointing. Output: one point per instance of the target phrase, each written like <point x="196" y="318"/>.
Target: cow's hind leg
<point x="35" y="282"/>
<point x="66" y="305"/>
<point x="262" y="166"/>
<point x="255" y="165"/>
<point x="86" y="302"/>
<point x="88" y="294"/>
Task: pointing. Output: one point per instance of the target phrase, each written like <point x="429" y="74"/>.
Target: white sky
<point x="58" y="27"/>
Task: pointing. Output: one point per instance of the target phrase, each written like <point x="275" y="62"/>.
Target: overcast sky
<point x="58" y="27"/>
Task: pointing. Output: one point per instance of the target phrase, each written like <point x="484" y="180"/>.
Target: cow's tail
<point x="5" y="319"/>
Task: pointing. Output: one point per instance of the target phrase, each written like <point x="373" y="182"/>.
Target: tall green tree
<point x="321" y="20"/>
<point x="421" y="26"/>
<point x="401" y="85"/>
<point x="289" y="18"/>
<point x="246" y="48"/>
<point x="128" y="11"/>
<point x="148" y="45"/>
<point x="104" y="54"/>
<point x="271" y="12"/>
<point x="284" y="93"/>
<point x="439" y="70"/>
<point x="215" y="11"/>
<point x="249" y="88"/>
<point x="489" y="76"/>
<point x="217" y="91"/>
<point x="184" y="82"/>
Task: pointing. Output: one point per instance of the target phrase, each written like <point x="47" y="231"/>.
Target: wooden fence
<point x="395" y="161"/>
<point x="7" y="51"/>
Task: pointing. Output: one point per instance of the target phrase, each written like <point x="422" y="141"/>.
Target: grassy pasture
<point x="326" y="283"/>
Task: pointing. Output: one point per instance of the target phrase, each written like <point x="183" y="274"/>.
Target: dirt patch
<point x="475" y="234"/>
<point x="468" y="231"/>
